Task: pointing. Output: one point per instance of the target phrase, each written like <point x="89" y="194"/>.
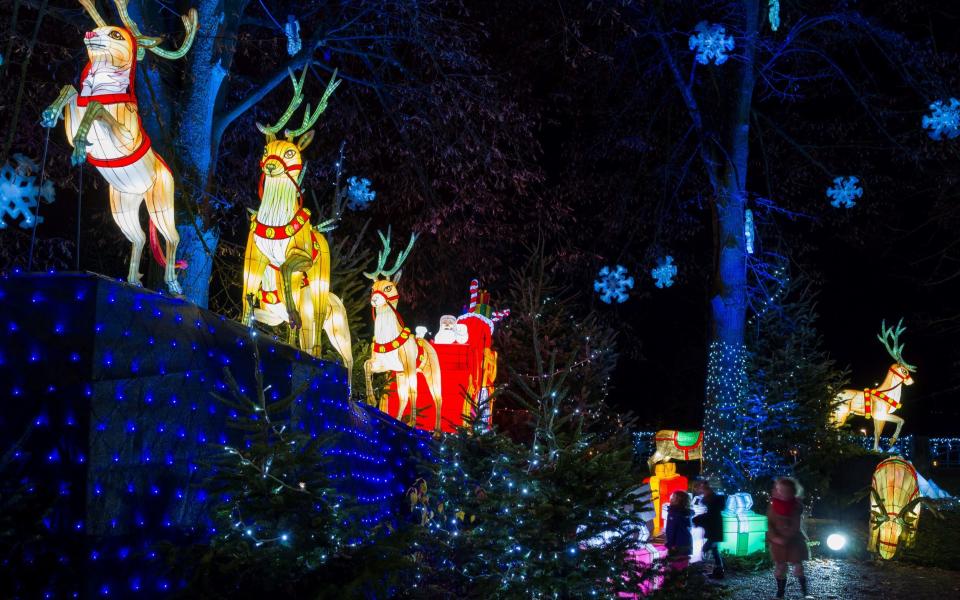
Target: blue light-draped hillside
<point x="108" y="388"/>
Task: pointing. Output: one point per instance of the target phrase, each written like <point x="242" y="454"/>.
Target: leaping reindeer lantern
<point x="287" y="261"/>
<point x="103" y="126"/>
<point x="879" y="403"/>
<point x="394" y="347"/>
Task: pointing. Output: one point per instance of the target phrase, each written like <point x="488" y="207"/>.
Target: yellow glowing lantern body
<point x="878" y="404"/>
<point x="103" y="126"/>
<point x="395" y="348"/>
<point x="894" y="507"/>
<point x="287" y="261"/>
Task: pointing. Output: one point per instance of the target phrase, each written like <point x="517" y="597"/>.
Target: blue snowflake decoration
<point x="612" y="284"/>
<point x="19" y="194"/>
<point x="749" y="232"/>
<point x="664" y="272"/>
<point x="711" y="43"/>
<point x="773" y="14"/>
<point x="943" y="120"/>
<point x="844" y="191"/>
<point x="292" y="31"/>
<point x="359" y="194"/>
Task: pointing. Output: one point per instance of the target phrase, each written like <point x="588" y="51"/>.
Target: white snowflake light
<point x="19" y="193"/>
<point x="711" y="43"/>
<point x="943" y="120"/>
<point x="664" y="272"/>
<point x="359" y="194"/>
<point x="773" y="14"/>
<point x="844" y="191"/>
<point x="292" y="31"/>
<point x="613" y="284"/>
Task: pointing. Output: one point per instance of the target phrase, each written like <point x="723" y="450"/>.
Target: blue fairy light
<point x="711" y="43"/>
<point x="664" y="272"/>
<point x="773" y="14"/>
<point x="943" y="120"/>
<point x="749" y="232"/>
<point x="292" y="31"/>
<point x="359" y="194"/>
<point x="844" y="192"/>
<point x="613" y="284"/>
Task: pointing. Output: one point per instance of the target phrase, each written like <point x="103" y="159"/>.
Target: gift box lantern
<point x="663" y="483"/>
<point x="744" y="532"/>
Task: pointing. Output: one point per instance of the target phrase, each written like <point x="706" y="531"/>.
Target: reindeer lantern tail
<point x="158" y="254"/>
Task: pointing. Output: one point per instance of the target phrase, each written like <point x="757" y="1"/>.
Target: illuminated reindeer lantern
<point x="287" y="261"/>
<point x="879" y="403"/>
<point x="103" y="126"/>
<point x="395" y="348"/>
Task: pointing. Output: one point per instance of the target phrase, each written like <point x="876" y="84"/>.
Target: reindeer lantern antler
<point x="152" y="43"/>
<point x="385" y="254"/>
<point x="890" y="339"/>
<point x="309" y="119"/>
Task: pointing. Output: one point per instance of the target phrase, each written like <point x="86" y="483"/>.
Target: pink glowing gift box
<point x="648" y="559"/>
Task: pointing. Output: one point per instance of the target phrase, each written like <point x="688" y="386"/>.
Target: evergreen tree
<point x="546" y="516"/>
<point x="793" y="381"/>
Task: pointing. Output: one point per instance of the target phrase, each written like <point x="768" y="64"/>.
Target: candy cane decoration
<point x="474" y="290"/>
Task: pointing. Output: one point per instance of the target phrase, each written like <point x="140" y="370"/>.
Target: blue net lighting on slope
<point x="664" y="272"/>
<point x="943" y="120"/>
<point x="359" y="194"/>
<point x="126" y="430"/>
<point x="844" y="192"/>
<point x="711" y="43"/>
<point x="20" y="194"/>
<point x="613" y="284"/>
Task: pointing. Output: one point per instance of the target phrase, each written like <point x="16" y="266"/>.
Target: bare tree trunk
<point x="726" y="369"/>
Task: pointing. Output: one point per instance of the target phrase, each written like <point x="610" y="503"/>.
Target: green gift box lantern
<point x="744" y="532"/>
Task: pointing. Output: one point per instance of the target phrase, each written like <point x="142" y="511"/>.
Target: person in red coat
<point x="788" y="543"/>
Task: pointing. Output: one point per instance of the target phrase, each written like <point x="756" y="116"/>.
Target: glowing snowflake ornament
<point x="292" y="31"/>
<point x="943" y="120"/>
<point x="711" y="43"/>
<point x="773" y="14"/>
<point x="19" y="194"/>
<point x="359" y="194"/>
<point x="613" y="284"/>
<point x="844" y="191"/>
<point x="664" y="272"/>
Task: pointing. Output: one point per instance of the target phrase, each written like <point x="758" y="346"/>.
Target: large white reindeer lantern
<point x="880" y="403"/>
<point x="394" y="347"/>
<point x="103" y="126"/>
<point x="287" y="261"/>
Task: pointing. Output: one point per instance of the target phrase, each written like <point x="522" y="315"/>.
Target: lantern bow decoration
<point x="879" y="403"/>
<point x="103" y="126"/>
<point x="287" y="259"/>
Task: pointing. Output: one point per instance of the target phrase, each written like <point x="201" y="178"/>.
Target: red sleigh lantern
<point x="468" y="364"/>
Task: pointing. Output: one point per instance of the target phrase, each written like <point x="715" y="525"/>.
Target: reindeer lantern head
<point x="385" y="281"/>
<point x="116" y="45"/>
<point x="281" y="157"/>
<point x="890" y="339"/>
